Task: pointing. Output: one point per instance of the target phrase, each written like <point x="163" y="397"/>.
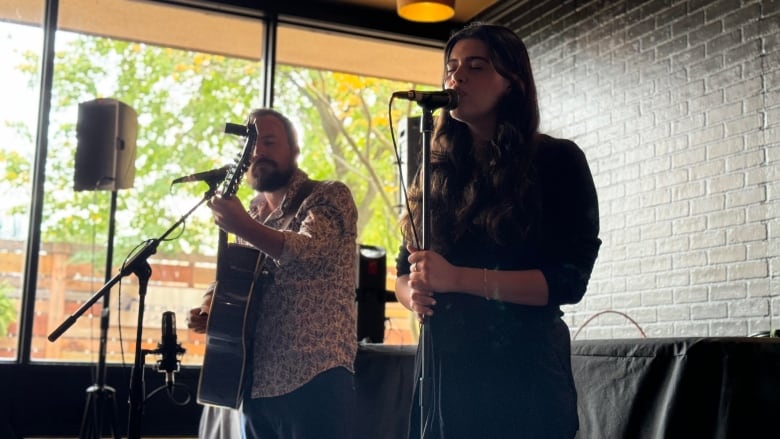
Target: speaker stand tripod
<point x="101" y="403"/>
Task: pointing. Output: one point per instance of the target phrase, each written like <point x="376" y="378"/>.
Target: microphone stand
<point x="139" y="266"/>
<point x="426" y="129"/>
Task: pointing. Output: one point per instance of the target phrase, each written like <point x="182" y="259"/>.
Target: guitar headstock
<point x="233" y="178"/>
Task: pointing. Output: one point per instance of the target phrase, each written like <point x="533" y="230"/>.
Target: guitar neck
<point x="222" y="244"/>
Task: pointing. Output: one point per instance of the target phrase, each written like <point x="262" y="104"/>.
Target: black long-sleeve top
<point x="564" y="248"/>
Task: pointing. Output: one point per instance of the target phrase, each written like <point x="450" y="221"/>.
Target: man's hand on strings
<point x="229" y="214"/>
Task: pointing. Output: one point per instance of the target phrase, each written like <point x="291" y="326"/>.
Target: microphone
<point x="169" y="348"/>
<point x="431" y="99"/>
<point x="213" y="176"/>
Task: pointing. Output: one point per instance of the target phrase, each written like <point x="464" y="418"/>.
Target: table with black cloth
<point x="384" y="378"/>
<point x="725" y="387"/>
<point x="694" y="387"/>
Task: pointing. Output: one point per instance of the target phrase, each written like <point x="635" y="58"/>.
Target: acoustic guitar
<point x="239" y="278"/>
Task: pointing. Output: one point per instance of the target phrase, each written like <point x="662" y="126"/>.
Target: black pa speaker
<point x="371" y="293"/>
<point x="105" y="154"/>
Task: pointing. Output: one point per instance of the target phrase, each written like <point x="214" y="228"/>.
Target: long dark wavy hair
<point x="484" y="190"/>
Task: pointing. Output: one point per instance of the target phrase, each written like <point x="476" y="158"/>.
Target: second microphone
<point x="212" y="176"/>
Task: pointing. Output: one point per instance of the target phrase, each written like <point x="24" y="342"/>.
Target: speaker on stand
<point x="105" y="161"/>
<point x="105" y="155"/>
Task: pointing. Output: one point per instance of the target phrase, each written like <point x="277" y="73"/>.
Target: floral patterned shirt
<point x="306" y="314"/>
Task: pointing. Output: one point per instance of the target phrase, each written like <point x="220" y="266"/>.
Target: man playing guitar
<point x="300" y="328"/>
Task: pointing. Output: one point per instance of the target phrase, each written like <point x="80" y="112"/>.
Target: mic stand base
<point x="98" y="399"/>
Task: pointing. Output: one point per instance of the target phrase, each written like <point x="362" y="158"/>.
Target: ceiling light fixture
<point x="426" y="11"/>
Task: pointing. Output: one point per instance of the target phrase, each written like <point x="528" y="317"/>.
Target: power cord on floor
<point x="606" y="311"/>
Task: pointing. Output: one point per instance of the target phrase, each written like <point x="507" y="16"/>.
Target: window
<point x="19" y="42"/>
<point x="184" y="73"/>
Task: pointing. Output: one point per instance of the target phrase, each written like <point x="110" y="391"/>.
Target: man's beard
<point x="271" y="180"/>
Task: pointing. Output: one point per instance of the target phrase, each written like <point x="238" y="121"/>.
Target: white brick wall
<point x="677" y="108"/>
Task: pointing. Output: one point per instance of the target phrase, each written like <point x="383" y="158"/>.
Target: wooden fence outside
<point x="176" y="284"/>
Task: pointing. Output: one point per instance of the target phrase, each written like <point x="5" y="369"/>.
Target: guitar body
<point x="239" y="280"/>
<point x="239" y="273"/>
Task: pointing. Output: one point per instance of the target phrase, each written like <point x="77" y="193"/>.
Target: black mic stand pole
<point x="139" y="266"/>
<point x="137" y="390"/>
<point x="426" y="129"/>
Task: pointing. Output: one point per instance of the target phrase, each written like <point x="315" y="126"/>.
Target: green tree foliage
<point x="183" y="99"/>
<point x="7" y="311"/>
<point x="348" y="137"/>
